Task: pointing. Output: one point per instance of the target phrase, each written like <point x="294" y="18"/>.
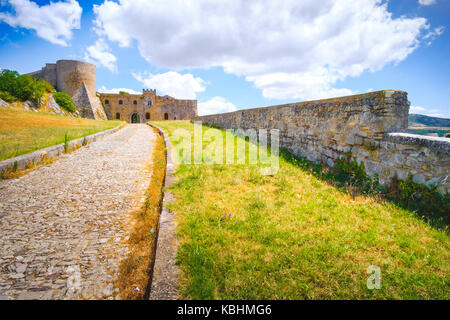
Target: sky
<point x="239" y="54"/>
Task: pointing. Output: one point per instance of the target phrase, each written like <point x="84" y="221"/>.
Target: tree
<point x="64" y="101"/>
<point x="23" y="87"/>
<point x="8" y="80"/>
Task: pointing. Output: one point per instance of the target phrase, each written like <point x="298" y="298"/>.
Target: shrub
<point x="5" y="96"/>
<point x="28" y="88"/>
<point x="123" y="92"/>
<point x="420" y="198"/>
<point x="23" y="87"/>
<point x="64" y="101"/>
<point x="8" y="80"/>
<point x="348" y="170"/>
<point x="48" y="87"/>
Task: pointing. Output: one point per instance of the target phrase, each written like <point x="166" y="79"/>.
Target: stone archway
<point x="135" y="118"/>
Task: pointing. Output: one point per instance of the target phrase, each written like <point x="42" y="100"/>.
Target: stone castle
<point x="78" y="79"/>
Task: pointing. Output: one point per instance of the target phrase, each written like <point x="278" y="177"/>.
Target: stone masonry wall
<point x="368" y="126"/>
<point x="147" y="106"/>
<point x="48" y="73"/>
<point x="77" y="79"/>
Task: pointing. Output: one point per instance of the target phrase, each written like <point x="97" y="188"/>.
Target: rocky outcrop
<point x="48" y="105"/>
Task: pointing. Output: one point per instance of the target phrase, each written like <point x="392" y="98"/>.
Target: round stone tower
<point x="71" y="74"/>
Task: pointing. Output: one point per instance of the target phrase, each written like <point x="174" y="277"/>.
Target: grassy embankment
<point x="135" y="269"/>
<point x="292" y="235"/>
<point x="23" y="131"/>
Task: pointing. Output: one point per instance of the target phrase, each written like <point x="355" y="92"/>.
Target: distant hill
<point x="419" y="119"/>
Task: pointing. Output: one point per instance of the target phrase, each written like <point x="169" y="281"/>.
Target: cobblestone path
<point x="64" y="226"/>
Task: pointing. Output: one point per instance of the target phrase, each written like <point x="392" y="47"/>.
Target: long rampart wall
<point x="370" y="127"/>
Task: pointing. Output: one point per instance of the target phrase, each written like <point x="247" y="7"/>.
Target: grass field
<point x="423" y="130"/>
<point x="23" y="131"/>
<point x="244" y="235"/>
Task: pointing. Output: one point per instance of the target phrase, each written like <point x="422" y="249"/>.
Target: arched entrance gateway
<point x="135" y="118"/>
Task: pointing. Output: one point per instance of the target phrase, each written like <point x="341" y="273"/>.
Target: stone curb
<point x="53" y="151"/>
<point x="164" y="280"/>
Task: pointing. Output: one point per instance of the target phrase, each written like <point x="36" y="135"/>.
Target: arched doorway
<point x="135" y="118"/>
<point x="166" y="116"/>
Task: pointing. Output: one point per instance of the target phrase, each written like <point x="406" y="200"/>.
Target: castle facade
<point x="137" y="108"/>
<point x="78" y="79"/>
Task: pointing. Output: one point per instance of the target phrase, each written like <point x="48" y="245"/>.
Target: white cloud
<point x="103" y="89"/>
<point x="416" y="109"/>
<point x="433" y="34"/>
<point x="427" y="2"/>
<point x="100" y="54"/>
<point x="180" y="86"/>
<point x="289" y="49"/>
<point x="297" y="85"/>
<point x="425" y="111"/>
<point x="53" y="22"/>
<point x="215" y="105"/>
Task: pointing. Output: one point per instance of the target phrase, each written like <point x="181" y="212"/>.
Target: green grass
<point x="23" y="131"/>
<point x="440" y="132"/>
<point x="244" y="235"/>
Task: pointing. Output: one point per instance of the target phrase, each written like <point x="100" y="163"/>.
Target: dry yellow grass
<point x="23" y="131"/>
<point x="135" y="270"/>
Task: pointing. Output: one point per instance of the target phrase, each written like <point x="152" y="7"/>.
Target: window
<point x="150" y="103"/>
<point x="147" y="116"/>
<point x="134" y="102"/>
<point x="120" y="102"/>
<point x="106" y="101"/>
<point x="117" y="116"/>
<point x="166" y="116"/>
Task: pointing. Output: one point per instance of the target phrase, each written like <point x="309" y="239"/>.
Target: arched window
<point x="147" y="116"/>
<point x="134" y="102"/>
<point x="120" y="102"/>
<point x="106" y="101"/>
<point x="166" y="116"/>
<point x="150" y="103"/>
<point x="117" y="116"/>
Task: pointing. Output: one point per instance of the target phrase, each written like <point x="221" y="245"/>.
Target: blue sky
<point x="238" y="54"/>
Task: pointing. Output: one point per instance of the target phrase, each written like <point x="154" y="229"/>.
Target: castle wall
<point x="364" y="126"/>
<point x="77" y="79"/>
<point x="71" y="74"/>
<point x="47" y="73"/>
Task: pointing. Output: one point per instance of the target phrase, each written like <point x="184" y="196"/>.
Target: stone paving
<point x="64" y="226"/>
